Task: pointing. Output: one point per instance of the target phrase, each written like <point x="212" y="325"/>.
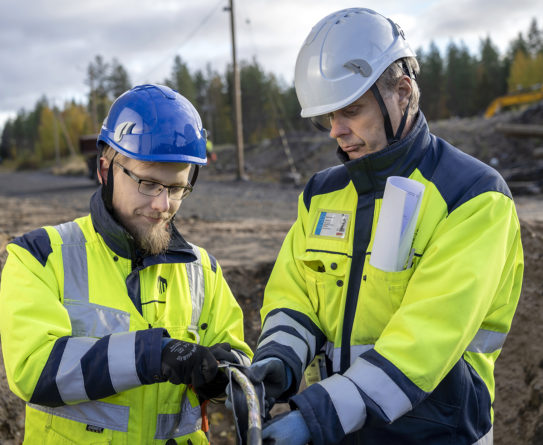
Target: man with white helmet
<point x="409" y="354"/>
<point x="112" y="325"/>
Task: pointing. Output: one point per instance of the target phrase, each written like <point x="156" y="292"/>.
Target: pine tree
<point x="256" y="105"/>
<point x="431" y="83"/>
<point x="7" y="142"/>
<point x="291" y="108"/>
<point x="117" y="81"/>
<point x="518" y="44"/>
<point x="219" y="109"/>
<point x="200" y="85"/>
<point x="98" y="80"/>
<point x="491" y="76"/>
<point x="535" y="39"/>
<point x="181" y="80"/>
<point x="460" y="81"/>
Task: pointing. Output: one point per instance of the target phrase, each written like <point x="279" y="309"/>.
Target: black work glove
<point x="273" y="373"/>
<point x="192" y="364"/>
<point x="222" y="353"/>
<point x="188" y="363"/>
<point x="216" y="387"/>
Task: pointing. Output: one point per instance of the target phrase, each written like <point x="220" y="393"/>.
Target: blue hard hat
<point x="155" y="123"/>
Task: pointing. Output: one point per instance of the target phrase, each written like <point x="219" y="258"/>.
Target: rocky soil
<point x="243" y="225"/>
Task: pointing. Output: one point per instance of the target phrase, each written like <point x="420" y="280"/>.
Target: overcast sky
<point x="47" y="45"/>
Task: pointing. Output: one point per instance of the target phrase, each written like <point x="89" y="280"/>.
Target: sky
<point x="47" y="45"/>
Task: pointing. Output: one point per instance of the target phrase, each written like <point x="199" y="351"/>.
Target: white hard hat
<point x="343" y="56"/>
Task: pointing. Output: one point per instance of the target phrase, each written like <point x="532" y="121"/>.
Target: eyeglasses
<point x="153" y="188"/>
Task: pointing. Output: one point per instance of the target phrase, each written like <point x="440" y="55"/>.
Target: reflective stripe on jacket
<point x="82" y="320"/>
<point x="411" y="353"/>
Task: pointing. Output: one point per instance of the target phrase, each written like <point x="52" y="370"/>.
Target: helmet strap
<point x="98" y="156"/>
<point x="403" y="122"/>
<point x="107" y="187"/>
<point x="319" y="126"/>
<point x="386" y="118"/>
<point x="391" y="137"/>
<point x="194" y="174"/>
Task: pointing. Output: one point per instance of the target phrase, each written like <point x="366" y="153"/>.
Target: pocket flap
<point x="331" y="263"/>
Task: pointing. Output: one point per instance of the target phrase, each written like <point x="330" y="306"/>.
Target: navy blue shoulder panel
<point x="213" y="261"/>
<point x="37" y="243"/>
<point x="458" y="176"/>
<point x="326" y="181"/>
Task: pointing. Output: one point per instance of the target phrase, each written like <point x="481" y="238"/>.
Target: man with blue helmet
<point x="113" y="325"/>
<point x="407" y="353"/>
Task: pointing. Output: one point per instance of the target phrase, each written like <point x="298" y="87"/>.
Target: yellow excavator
<point x="509" y="100"/>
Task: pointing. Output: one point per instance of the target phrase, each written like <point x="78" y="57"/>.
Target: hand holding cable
<point x="196" y="365"/>
<point x="274" y="374"/>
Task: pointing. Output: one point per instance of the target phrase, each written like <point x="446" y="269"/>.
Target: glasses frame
<point x="187" y="189"/>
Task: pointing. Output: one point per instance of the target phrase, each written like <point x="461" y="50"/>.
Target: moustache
<point x="160" y="215"/>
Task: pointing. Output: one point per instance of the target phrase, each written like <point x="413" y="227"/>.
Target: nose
<point x="161" y="202"/>
<point x="338" y="128"/>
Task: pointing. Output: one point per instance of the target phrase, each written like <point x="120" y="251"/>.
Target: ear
<point x="102" y="171"/>
<point x="404" y="90"/>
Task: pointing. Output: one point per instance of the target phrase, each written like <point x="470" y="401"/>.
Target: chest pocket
<point x="381" y="294"/>
<point x="179" y="326"/>
<point x="326" y="279"/>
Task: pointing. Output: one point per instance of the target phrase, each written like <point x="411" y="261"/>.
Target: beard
<point x="152" y="239"/>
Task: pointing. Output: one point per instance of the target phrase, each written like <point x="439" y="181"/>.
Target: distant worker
<point x="112" y="325"/>
<point x="409" y="354"/>
<point x="211" y="155"/>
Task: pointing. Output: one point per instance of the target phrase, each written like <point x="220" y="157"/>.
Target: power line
<point x="187" y="39"/>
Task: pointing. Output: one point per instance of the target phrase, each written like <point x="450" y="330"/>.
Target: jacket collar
<point x="124" y="245"/>
<point x="370" y="172"/>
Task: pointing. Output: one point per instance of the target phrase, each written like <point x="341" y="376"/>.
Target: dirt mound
<point x="518" y="159"/>
<point x="519" y="372"/>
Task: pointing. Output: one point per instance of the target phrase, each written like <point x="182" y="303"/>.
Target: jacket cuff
<point x="148" y="355"/>
<point x="319" y="415"/>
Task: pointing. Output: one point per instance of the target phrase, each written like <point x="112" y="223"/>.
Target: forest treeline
<point x="455" y="83"/>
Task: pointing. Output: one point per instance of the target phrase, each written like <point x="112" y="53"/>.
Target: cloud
<point x="46" y="47"/>
<point x="472" y="21"/>
<point x="41" y="46"/>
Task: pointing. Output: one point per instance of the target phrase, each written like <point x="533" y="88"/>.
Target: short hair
<point x="390" y="77"/>
<point x="108" y="152"/>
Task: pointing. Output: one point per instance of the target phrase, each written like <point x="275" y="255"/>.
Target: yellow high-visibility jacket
<point x="82" y="318"/>
<point x="410" y="354"/>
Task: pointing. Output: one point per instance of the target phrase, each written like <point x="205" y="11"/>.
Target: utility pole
<point x="237" y="99"/>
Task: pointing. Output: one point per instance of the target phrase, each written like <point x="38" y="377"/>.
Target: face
<point x="147" y="218"/>
<point x="359" y="127"/>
